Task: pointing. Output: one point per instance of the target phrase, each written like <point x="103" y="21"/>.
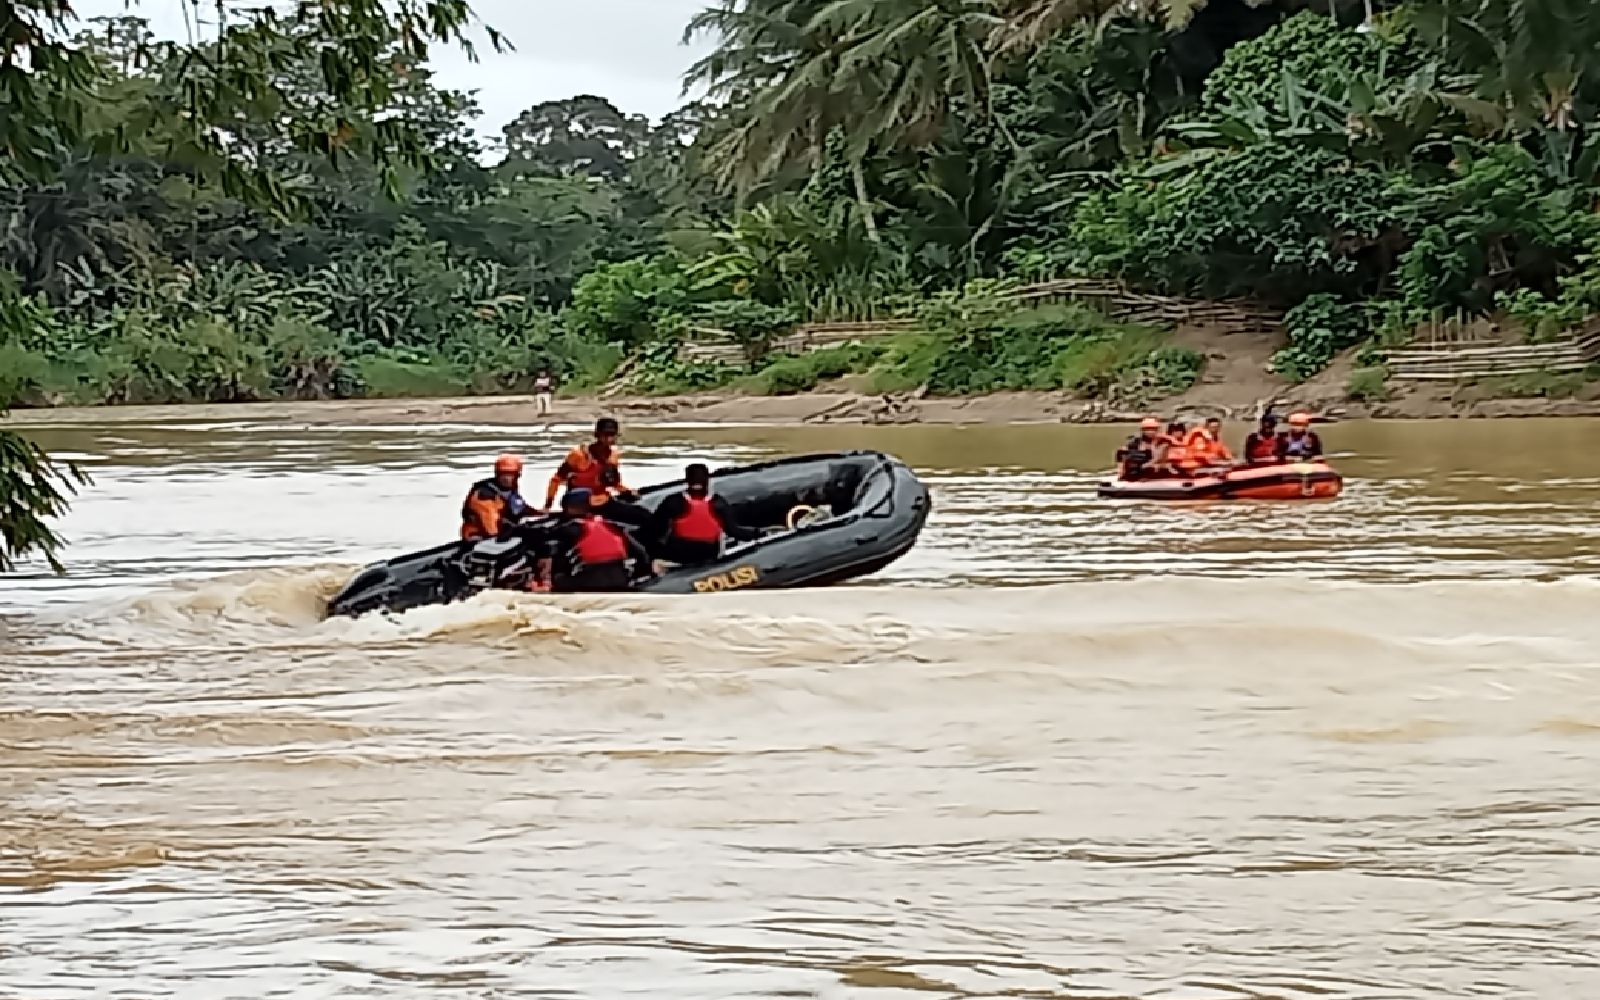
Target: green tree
<point x="1541" y="58"/>
<point x="789" y="85"/>
<point x="583" y="135"/>
<point x="52" y="84"/>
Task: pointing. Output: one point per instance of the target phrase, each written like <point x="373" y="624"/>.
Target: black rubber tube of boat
<point x="875" y="509"/>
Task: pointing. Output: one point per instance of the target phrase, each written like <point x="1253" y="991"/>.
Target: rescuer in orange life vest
<point x="688" y="527"/>
<point x="1261" y="445"/>
<point x="1179" y="460"/>
<point x="1301" y="444"/>
<point x="1145" y="453"/>
<point x="494" y="504"/>
<point x="1205" y="445"/>
<point x="589" y="554"/>
<point x="597" y="468"/>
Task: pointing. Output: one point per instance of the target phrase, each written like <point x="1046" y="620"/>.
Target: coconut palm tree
<point x="774" y="78"/>
<point x="915" y="59"/>
<point x="1538" y="57"/>
<point x="882" y="72"/>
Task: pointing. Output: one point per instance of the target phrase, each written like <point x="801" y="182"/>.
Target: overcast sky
<point x="626" y="50"/>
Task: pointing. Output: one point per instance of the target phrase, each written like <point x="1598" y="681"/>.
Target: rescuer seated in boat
<point x="1145" y="454"/>
<point x="588" y="553"/>
<point x="1180" y="461"/>
<point x="688" y="528"/>
<point x="494" y="504"/>
<point x="1205" y="446"/>
<point x="1261" y="444"/>
<point x="597" y="468"/>
<point x="1301" y="444"/>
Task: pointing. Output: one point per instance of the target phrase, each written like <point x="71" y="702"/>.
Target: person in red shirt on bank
<point x="588" y="554"/>
<point x="688" y="528"/>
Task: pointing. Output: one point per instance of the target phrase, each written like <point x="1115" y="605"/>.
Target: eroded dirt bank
<point x="823" y="408"/>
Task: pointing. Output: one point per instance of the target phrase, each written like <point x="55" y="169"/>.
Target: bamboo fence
<point x="1111" y="298"/>
<point x="1456" y="347"/>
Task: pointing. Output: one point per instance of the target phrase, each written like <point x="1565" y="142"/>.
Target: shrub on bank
<point x="391" y="378"/>
<point x="970" y="346"/>
<point x="790" y="374"/>
<point x="1535" y="385"/>
<point x="1060" y="347"/>
<point x="1319" y="328"/>
<point x="1368" y="385"/>
<point x="181" y="349"/>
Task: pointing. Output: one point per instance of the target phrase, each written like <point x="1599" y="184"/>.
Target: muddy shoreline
<point x="808" y="408"/>
<point x="1236" y="385"/>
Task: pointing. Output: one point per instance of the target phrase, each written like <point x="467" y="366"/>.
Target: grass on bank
<point x="1368" y="385"/>
<point x="1045" y="348"/>
<point x="1535" y="385"/>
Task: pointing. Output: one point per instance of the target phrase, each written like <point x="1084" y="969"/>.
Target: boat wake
<point x="1174" y="622"/>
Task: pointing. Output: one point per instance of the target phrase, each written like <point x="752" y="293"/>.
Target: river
<point x="1064" y="749"/>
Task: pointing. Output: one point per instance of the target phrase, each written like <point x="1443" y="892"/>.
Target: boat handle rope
<point x="796" y="513"/>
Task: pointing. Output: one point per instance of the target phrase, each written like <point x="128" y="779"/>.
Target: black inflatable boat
<point x="826" y="518"/>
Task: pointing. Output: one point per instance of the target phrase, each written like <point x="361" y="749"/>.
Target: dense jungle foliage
<point x="289" y="206"/>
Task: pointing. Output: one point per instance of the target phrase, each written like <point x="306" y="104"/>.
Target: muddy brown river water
<point x="1065" y="749"/>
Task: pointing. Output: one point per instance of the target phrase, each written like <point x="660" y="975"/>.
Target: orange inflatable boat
<point x="1289" y="481"/>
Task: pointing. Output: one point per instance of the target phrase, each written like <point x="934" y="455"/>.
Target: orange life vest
<point x="600" y="543"/>
<point x="485" y="507"/>
<point x="699" y="522"/>
<point x="589" y="473"/>
<point x="1261" y="449"/>
<point x="1178" y="454"/>
<point x="1205" y="450"/>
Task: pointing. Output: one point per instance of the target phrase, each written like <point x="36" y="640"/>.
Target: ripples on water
<point x="1015" y="505"/>
<point x="1262" y="776"/>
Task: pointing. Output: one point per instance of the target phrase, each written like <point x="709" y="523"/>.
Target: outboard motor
<point x="503" y="563"/>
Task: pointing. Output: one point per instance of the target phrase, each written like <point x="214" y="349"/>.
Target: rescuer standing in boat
<point x="688" y="528"/>
<point x="597" y="468"/>
<point x="588" y="553"/>
<point x="494" y="503"/>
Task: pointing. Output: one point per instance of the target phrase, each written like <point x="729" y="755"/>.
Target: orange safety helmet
<point x="1299" y="418"/>
<point x="508" y="463"/>
<point x="1150" y="424"/>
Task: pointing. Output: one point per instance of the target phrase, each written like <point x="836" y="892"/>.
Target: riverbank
<point x="1236" y="384"/>
<point x="837" y="406"/>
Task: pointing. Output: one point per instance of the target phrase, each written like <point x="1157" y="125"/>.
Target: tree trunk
<point x="859" y="176"/>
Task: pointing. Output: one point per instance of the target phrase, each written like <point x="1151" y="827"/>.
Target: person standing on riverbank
<point x="544" y="391"/>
